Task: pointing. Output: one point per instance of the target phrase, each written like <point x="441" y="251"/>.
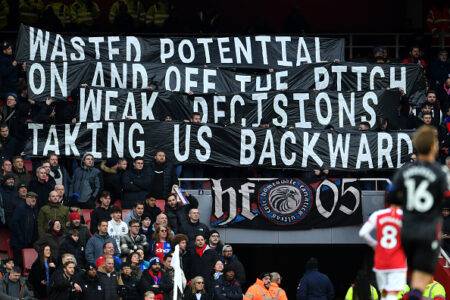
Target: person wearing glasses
<point x="161" y="242"/>
<point x="197" y="290"/>
<point x="133" y="241"/>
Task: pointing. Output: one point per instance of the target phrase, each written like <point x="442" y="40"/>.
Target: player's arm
<point x="366" y="229"/>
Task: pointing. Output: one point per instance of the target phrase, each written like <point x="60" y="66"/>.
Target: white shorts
<point x="391" y="281"/>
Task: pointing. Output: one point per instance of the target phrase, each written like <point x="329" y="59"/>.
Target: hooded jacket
<point x="257" y="291"/>
<point x="94" y="247"/>
<point x="86" y="183"/>
<point x="52" y="212"/>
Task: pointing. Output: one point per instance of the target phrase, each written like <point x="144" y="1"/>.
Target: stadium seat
<point x="5" y="236"/>
<point x="29" y="256"/>
<point x="86" y="215"/>
<point x="161" y="203"/>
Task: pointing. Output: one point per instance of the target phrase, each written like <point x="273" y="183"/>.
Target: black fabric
<point x="110" y="285"/>
<point x="61" y="286"/>
<point x="42" y="189"/>
<point x="421" y="255"/>
<point x="36" y="276"/>
<point x="136" y="185"/>
<point x="24" y="226"/>
<point x="162" y="178"/>
<point x="98" y="214"/>
<point x="202" y="266"/>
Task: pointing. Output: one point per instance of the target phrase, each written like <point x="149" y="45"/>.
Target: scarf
<point x="157" y="278"/>
<point x="200" y="251"/>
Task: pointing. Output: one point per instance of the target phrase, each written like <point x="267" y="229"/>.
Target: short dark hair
<point x="115" y="209"/>
<point x="167" y="256"/>
<point x="101" y="221"/>
<point x="16" y="269"/>
<point x="138" y="203"/>
<point x="196" y="113"/>
<point x="365" y="123"/>
<point x="4" y="125"/>
<point x="106" y="243"/>
<point x="138" y="158"/>
<point x="105" y="194"/>
<point x="133" y="221"/>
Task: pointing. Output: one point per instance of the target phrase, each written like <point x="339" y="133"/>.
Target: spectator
<point x="177" y="212"/>
<point x="313" y="284"/>
<point x="113" y="171"/>
<point x="58" y="172"/>
<point x="60" y="190"/>
<point x="136" y="266"/>
<point x="24" y="227"/>
<point x="129" y="283"/>
<point x="86" y="184"/>
<point x="146" y="229"/>
<point x="149" y="295"/>
<point x="108" y="249"/>
<point x="133" y="240"/>
<point x="109" y="278"/>
<point x="52" y="237"/>
<point x="143" y="264"/>
<point x="42" y="185"/>
<point x="91" y="287"/>
<point x="260" y="289"/>
<point x="116" y="227"/>
<point x="62" y="284"/>
<point x="9" y="197"/>
<point x="161" y="243"/>
<point x="168" y="277"/>
<point x="443" y="94"/>
<point x="136" y="213"/>
<point x="6" y="267"/>
<point x="194" y="171"/>
<point x="192" y="226"/>
<point x="102" y="212"/>
<point x="406" y="119"/>
<point x="75" y="224"/>
<point x="8" y="144"/>
<point x="151" y="279"/>
<point x="41" y="272"/>
<point x="94" y="247"/>
<point x="161" y="220"/>
<point x="427" y="119"/>
<point x="439" y="69"/>
<point x="14" y="287"/>
<point x="275" y="281"/>
<point x="201" y="261"/>
<point x="364" y="126"/>
<point x="22" y="175"/>
<point x="214" y="242"/>
<point x="10" y="115"/>
<point x="163" y="176"/>
<point x="71" y="244"/>
<point x="362" y="289"/>
<point x="136" y="183"/>
<point x="150" y="208"/>
<point x="6" y="168"/>
<point x="8" y="71"/>
<point x="231" y="260"/>
<point x="52" y="211"/>
<point x="414" y="57"/>
<point x="228" y="288"/>
<point x="218" y="270"/>
<point x="197" y="290"/>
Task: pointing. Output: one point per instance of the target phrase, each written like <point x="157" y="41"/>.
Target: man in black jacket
<point x="109" y="278"/>
<point x="201" y="261"/>
<point x="24" y="227"/>
<point x="9" y="197"/>
<point x="192" y="226"/>
<point x="42" y="185"/>
<point x="62" y="285"/>
<point x="102" y="212"/>
<point x="92" y="288"/>
<point x="113" y="171"/>
<point x="230" y="260"/>
<point x="136" y="184"/>
<point x="129" y="284"/>
<point x="8" y="144"/>
<point x="227" y="287"/>
<point x="163" y="176"/>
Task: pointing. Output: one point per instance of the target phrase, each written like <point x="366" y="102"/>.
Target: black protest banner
<point x="200" y="80"/>
<point x="225" y="146"/>
<point x="259" y="52"/>
<point x="287" y="204"/>
<point x="312" y="109"/>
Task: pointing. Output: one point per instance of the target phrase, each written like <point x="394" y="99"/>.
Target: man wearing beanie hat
<point x="260" y="289"/>
<point x="313" y="284"/>
<point x="151" y="279"/>
<point x="53" y="210"/>
<point x="75" y="223"/>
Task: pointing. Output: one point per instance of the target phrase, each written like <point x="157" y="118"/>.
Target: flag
<point x="178" y="273"/>
<point x="181" y="196"/>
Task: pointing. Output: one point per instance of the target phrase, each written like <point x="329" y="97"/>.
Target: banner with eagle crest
<point x="286" y="204"/>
